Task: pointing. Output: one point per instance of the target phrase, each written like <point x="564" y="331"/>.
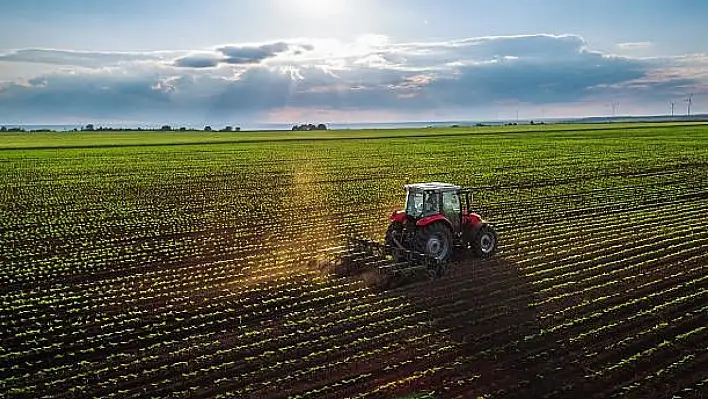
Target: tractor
<point x="424" y="235"/>
<point x="434" y="223"/>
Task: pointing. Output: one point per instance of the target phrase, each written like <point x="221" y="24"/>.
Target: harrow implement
<point x="363" y="255"/>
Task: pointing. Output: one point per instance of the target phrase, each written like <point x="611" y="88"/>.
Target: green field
<point x="177" y="264"/>
<point x="101" y="139"/>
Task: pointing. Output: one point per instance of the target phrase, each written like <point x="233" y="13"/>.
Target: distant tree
<point x="166" y="128"/>
<point x="238" y="129"/>
<point x="309" y="127"/>
<point x="3" y="129"/>
<point x="89" y="127"/>
<point x="228" y="129"/>
<point x="207" y="128"/>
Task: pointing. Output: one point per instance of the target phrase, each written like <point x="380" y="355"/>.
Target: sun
<point x="316" y="9"/>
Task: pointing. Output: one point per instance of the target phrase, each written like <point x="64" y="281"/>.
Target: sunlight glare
<point x="316" y="9"/>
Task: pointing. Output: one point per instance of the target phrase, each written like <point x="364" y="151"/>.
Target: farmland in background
<point x="189" y="265"/>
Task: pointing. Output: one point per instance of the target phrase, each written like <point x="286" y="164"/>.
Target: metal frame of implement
<point x="389" y="260"/>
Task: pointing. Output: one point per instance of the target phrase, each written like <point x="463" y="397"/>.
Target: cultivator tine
<point x="394" y="268"/>
<point x="368" y="246"/>
<point x="336" y="251"/>
<point x="346" y="265"/>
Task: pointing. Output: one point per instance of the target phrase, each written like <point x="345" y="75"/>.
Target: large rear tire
<point x="484" y="242"/>
<point x="435" y="240"/>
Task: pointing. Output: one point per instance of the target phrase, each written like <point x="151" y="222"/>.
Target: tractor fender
<point x="398" y="216"/>
<point x="432" y="219"/>
<point x="472" y="219"/>
<point x="471" y="229"/>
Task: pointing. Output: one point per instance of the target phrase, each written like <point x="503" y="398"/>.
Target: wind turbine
<point x="672" y="108"/>
<point x="689" y="100"/>
<point x="614" y="108"/>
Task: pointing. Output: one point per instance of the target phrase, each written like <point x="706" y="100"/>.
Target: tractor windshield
<point x="422" y="203"/>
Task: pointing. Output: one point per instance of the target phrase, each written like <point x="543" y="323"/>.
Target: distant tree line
<point x="530" y="123"/>
<point x="5" y="129"/>
<point x="167" y="128"/>
<point x="11" y="129"/>
<point x="309" y="127"/>
<point x="164" y="128"/>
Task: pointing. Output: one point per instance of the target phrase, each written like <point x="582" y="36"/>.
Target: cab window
<point x="451" y="203"/>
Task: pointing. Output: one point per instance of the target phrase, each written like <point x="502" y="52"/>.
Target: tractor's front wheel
<point x="435" y="240"/>
<point x="484" y="242"/>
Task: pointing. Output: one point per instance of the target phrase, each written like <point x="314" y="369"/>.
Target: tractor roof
<point x="437" y="186"/>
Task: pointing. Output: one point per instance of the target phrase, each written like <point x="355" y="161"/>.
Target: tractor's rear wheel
<point x="435" y="240"/>
<point x="484" y="242"/>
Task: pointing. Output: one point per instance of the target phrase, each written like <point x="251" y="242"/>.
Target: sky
<point x="348" y="61"/>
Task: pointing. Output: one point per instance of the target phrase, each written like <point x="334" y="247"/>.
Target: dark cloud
<point x="241" y="55"/>
<point x="532" y="81"/>
<point x="251" y="54"/>
<point x="96" y="96"/>
<point x="197" y="61"/>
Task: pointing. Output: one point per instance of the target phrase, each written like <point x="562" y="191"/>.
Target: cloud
<point x="634" y="45"/>
<point x="89" y="59"/>
<point x="665" y="78"/>
<point x="368" y="76"/>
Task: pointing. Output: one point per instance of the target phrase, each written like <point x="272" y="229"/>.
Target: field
<point x="191" y="265"/>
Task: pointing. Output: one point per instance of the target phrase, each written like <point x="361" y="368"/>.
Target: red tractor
<point x="423" y="236"/>
<point x="434" y="222"/>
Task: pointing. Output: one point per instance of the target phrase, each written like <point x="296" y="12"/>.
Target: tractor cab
<point x="425" y="200"/>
